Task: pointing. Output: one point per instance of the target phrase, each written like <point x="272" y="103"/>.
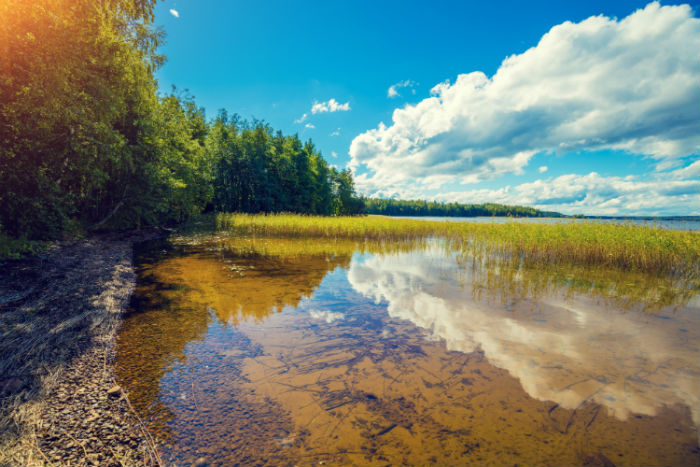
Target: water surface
<point x="309" y="352"/>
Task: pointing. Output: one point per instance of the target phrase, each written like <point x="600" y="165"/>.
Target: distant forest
<point x="87" y="142"/>
<point x="391" y="207"/>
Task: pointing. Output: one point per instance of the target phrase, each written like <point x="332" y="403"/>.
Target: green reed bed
<point x="616" y="245"/>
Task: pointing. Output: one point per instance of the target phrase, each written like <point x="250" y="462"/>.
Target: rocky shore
<point x="59" y="314"/>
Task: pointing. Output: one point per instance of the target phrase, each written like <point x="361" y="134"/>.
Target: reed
<point x="285" y="248"/>
<point x="625" y="246"/>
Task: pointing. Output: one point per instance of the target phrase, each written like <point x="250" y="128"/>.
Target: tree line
<point x="256" y="169"/>
<point x="86" y="141"/>
<point x="393" y="207"/>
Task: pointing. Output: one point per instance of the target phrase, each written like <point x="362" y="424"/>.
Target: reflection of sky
<point x="567" y="351"/>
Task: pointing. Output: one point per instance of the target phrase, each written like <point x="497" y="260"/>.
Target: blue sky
<point x="588" y="115"/>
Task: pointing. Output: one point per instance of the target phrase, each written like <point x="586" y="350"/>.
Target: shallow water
<point x="308" y="352"/>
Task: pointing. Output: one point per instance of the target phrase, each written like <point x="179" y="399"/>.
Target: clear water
<point x="306" y="352"/>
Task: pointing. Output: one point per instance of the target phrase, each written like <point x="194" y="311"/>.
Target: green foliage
<point x="345" y="203"/>
<point x="255" y="169"/>
<point x="392" y="207"/>
<point x="76" y="91"/>
<point x="15" y="248"/>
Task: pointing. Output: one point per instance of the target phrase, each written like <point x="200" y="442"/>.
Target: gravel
<point x="59" y="314"/>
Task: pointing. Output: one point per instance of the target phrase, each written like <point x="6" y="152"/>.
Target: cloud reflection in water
<point x="564" y="347"/>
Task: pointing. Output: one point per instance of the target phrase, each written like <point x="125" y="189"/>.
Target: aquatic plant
<point x="624" y="246"/>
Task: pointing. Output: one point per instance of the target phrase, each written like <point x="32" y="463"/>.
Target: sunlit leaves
<point x="72" y="83"/>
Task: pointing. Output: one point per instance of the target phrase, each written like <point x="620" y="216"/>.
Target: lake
<point x="264" y="351"/>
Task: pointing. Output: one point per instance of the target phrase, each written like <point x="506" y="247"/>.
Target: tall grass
<point x="622" y="246"/>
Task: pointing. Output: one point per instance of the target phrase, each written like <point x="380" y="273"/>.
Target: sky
<point x="577" y="107"/>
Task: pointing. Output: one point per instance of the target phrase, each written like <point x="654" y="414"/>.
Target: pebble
<point x="99" y="423"/>
<point x="85" y="418"/>
<point x="114" y="391"/>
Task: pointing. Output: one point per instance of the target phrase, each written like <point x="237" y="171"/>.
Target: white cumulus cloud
<point x="669" y="193"/>
<point x="310" y="126"/>
<point x="175" y="13"/>
<point x="543" y="169"/>
<point x="631" y="84"/>
<point x="393" y="90"/>
<point x="330" y="105"/>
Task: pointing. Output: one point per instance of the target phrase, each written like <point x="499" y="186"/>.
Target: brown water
<point x="306" y="352"/>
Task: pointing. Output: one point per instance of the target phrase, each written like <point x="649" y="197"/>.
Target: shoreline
<point x="59" y="317"/>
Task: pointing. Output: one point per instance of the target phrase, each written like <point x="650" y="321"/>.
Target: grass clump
<point x="15" y="248"/>
<point x="624" y="246"/>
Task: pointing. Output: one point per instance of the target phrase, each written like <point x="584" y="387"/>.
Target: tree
<point x="345" y="201"/>
<point x="76" y="83"/>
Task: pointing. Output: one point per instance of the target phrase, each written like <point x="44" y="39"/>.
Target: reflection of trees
<point x="154" y="334"/>
<point x="178" y="293"/>
<point x="252" y="287"/>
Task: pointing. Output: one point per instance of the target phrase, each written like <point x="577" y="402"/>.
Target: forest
<point x="392" y="207"/>
<point x="87" y="142"/>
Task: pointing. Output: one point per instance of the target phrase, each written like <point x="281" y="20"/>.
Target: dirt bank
<point x="59" y="314"/>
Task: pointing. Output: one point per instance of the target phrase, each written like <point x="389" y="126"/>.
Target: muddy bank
<point x="59" y="314"/>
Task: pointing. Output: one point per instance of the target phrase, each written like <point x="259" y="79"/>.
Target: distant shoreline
<point x="645" y="218"/>
<point x="564" y="216"/>
<point x="678" y="223"/>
